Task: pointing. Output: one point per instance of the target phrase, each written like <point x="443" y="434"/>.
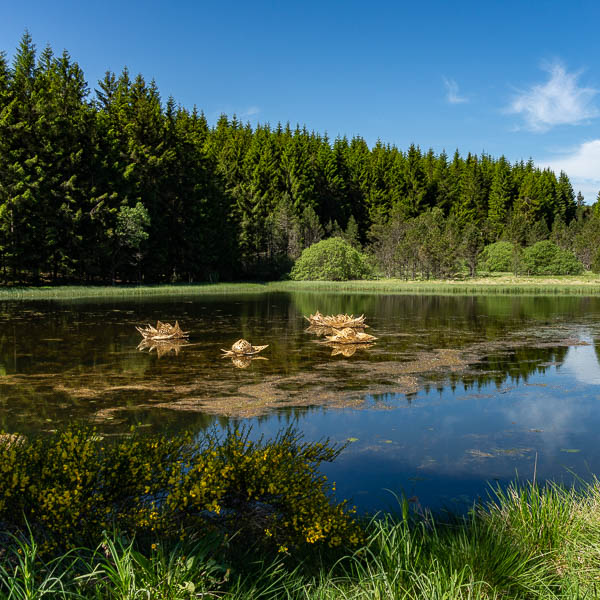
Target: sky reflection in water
<point x="526" y="396"/>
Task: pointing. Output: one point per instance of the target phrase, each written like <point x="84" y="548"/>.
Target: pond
<point x="456" y="392"/>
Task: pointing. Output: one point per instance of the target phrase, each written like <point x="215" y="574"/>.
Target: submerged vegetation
<point x="527" y="541"/>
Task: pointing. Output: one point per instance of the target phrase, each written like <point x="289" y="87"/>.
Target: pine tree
<point x="501" y="196"/>
<point x="416" y="182"/>
<point x="311" y="228"/>
<point x="351" y="233"/>
<point x="565" y="203"/>
<point x="441" y="183"/>
<point x="470" y="207"/>
<point x="21" y="222"/>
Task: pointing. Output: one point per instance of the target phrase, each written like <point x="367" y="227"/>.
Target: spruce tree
<point x="501" y="196"/>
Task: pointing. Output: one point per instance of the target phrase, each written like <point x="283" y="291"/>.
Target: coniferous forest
<point x="117" y="184"/>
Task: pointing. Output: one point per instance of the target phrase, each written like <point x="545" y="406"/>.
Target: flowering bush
<point x="71" y="485"/>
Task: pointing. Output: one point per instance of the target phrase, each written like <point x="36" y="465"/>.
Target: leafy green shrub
<point x="546" y="258"/>
<point x="497" y="257"/>
<point x="70" y="486"/>
<point x="595" y="266"/>
<point x="332" y="259"/>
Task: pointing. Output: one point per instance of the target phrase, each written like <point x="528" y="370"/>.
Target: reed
<point x="134" y="292"/>
<point x="526" y="542"/>
<point x="588" y="284"/>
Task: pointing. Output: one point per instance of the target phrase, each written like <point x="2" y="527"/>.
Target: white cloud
<point x="452" y="94"/>
<point x="559" y="101"/>
<point x="582" y="165"/>
<point x="251" y="111"/>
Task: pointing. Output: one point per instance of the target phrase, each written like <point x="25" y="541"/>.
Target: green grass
<point x="527" y="543"/>
<point x="587" y="284"/>
<point x="123" y="291"/>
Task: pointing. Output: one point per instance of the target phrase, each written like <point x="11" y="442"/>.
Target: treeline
<point x="117" y="184"/>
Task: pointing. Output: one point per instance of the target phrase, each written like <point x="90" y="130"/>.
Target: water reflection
<point x="457" y="390"/>
<point x="347" y="350"/>
<point x="162" y="347"/>
<point x="583" y="362"/>
<point x="243" y="362"/>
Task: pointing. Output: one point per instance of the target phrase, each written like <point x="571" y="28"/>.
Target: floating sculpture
<point x="163" y="331"/>
<point x="350" y="336"/>
<point x="243" y="348"/>
<point x="337" y="321"/>
<point x="319" y="330"/>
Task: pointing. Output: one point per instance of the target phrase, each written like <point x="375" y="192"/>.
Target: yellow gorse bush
<point x="71" y="485"/>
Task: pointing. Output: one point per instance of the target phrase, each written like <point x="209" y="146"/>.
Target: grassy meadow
<point x="587" y="284"/>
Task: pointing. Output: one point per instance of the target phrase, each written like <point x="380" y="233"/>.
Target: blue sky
<point x="515" y="78"/>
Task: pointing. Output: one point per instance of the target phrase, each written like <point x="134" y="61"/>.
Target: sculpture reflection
<point x="243" y="362"/>
<point x="162" y="347"/>
<point x="347" y="350"/>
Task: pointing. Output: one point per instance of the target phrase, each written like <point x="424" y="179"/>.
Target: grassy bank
<point x="529" y="543"/>
<point x="588" y="284"/>
<point x="141" y="516"/>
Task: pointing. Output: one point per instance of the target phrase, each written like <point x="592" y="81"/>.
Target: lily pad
<point x="352" y="439"/>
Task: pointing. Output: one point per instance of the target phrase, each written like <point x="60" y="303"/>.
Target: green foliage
<point x="426" y="245"/>
<point x="587" y="240"/>
<point x="546" y="258"/>
<point x="70" y="486"/>
<point x="132" y="223"/>
<point x="231" y="201"/>
<point x="595" y="266"/>
<point x="332" y="259"/>
<point x="470" y="247"/>
<point x="497" y="257"/>
<point x="528" y="542"/>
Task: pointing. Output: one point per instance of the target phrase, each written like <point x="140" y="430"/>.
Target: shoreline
<point x="588" y="284"/>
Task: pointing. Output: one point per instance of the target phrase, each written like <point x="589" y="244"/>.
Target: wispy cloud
<point x="581" y="165"/>
<point x="250" y="111"/>
<point x="452" y="94"/>
<point x="559" y="101"/>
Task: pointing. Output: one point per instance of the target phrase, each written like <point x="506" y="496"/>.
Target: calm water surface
<point x="457" y="391"/>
